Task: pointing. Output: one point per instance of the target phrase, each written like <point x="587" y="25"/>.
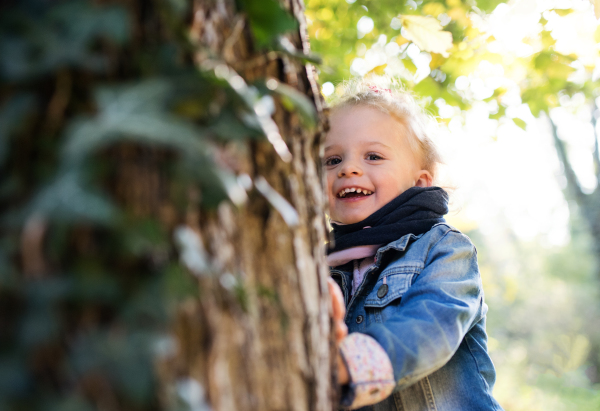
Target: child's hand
<point x="341" y="330"/>
<point x="339" y="310"/>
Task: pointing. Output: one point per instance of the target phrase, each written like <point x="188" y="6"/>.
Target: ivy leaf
<point x="228" y="127"/>
<point x="58" y="36"/>
<point x="286" y="46"/>
<point x="268" y="19"/>
<point x="88" y="136"/>
<point x="68" y="199"/>
<point x="292" y="98"/>
<point x="427" y="33"/>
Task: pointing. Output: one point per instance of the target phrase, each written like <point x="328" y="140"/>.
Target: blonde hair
<point x="389" y="96"/>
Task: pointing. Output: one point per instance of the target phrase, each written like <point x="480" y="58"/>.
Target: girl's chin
<point x="348" y="218"/>
<point x="350" y="212"/>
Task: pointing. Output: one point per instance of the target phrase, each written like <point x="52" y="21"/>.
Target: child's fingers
<point x="339" y="310"/>
<point x="337" y="300"/>
<point x="341" y="331"/>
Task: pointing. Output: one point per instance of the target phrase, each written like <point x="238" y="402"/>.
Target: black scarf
<point x="414" y="211"/>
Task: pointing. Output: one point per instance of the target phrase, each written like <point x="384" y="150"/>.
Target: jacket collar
<point x="398" y="245"/>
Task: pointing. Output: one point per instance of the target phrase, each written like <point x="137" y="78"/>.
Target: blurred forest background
<point x="121" y="128"/>
<point x="515" y="88"/>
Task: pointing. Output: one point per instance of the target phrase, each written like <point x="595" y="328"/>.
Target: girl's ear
<point x="424" y="179"/>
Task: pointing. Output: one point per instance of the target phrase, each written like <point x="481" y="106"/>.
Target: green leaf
<point x="133" y="113"/>
<point x="535" y="100"/>
<point x="90" y="135"/>
<point x="68" y="199"/>
<point x="295" y="100"/>
<point x="562" y="12"/>
<point x="288" y="48"/>
<point x="136" y="114"/>
<point x="178" y="283"/>
<point x="229" y="127"/>
<point x="554" y="65"/>
<point x="145" y="97"/>
<point x="499" y="114"/>
<point x="488" y="5"/>
<point x="547" y="39"/>
<point x="427" y="87"/>
<point x="268" y="19"/>
<point x="520" y="122"/>
<point x="124" y="359"/>
<point x="91" y="287"/>
<point x="410" y="66"/>
<point x="58" y="36"/>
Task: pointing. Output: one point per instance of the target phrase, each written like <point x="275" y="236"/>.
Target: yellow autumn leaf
<point x="379" y="70"/>
<point x="427" y="33"/>
<point x="401" y="40"/>
<point x="436" y="60"/>
<point x="433" y="9"/>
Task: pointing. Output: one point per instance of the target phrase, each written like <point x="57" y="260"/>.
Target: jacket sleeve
<point x="434" y="313"/>
<point x="370" y="371"/>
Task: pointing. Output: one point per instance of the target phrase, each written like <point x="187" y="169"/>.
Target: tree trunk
<point x="82" y="290"/>
<point x="258" y="337"/>
<point x="588" y="205"/>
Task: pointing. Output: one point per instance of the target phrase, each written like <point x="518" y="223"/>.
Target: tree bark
<point x="258" y="337"/>
<point x="588" y="203"/>
<point x="88" y="246"/>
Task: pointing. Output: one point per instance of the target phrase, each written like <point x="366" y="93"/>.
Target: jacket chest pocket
<point x="384" y="299"/>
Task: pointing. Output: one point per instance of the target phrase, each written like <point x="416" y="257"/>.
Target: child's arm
<point x="435" y="313"/>
<point x="372" y="380"/>
<point x="433" y="317"/>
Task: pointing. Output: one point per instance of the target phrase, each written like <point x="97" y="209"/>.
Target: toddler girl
<point x="410" y="282"/>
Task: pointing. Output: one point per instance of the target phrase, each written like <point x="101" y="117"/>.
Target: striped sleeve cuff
<point x="370" y="370"/>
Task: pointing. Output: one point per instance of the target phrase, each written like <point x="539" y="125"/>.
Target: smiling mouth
<point x="354" y="192"/>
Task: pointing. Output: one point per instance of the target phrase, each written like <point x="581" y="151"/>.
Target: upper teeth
<point x="343" y="192"/>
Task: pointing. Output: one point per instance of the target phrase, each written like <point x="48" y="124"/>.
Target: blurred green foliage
<point x="333" y="31"/>
<point x="541" y="75"/>
<point x="89" y="282"/>
<point x="543" y="320"/>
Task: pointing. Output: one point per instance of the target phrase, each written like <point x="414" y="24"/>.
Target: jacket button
<point x="382" y="291"/>
<point x="359" y="319"/>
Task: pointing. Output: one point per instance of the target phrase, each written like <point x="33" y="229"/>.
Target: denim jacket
<point x="429" y="317"/>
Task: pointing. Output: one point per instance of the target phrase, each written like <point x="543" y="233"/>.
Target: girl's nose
<point x="349" y="169"/>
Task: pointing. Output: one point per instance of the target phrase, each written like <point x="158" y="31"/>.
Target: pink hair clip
<point x="377" y="90"/>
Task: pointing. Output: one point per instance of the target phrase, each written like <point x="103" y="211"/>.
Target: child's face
<point x="367" y="150"/>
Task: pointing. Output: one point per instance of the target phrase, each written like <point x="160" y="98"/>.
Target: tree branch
<point x="572" y="181"/>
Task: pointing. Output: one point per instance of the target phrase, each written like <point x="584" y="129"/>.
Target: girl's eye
<point x="373" y="157"/>
<point x="332" y="161"/>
